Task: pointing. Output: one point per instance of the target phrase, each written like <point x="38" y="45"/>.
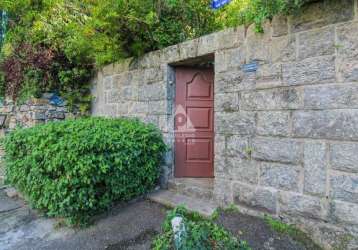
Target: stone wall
<point x="286" y="134"/>
<point x="34" y="111"/>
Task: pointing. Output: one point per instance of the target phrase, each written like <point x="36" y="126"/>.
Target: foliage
<point x="246" y="12"/>
<point x="76" y="168"/>
<point x="292" y="231"/>
<point x="200" y="233"/>
<point x="79" y="36"/>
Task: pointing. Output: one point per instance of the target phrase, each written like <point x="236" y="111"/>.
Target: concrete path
<point x="130" y="226"/>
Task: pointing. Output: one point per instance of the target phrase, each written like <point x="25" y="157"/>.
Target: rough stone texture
<point x="309" y="71"/>
<point x="280" y="176"/>
<point x="239" y="123"/>
<point x="305" y="206"/>
<point x="238" y="146"/>
<point x="331" y="97"/>
<point x="344" y="157"/>
<point x="329" y="124"/>
<point x="277" y="150"/>
<point x="273" y="123"/>
<point x="32" y="112"/>
<point x="288" y="129"/>
<point x="315" y="165"/>
<point x="271" y="99"/>
<point x="344" y="187"/>
<point x="242" y="170"/>
<point x="316" y="43"/>
<point x="322" y="13"/>
<point x="344" y="212"/>
<point x="263" y="199"/>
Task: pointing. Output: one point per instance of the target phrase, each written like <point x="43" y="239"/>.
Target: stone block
<point x="112" y="97"/>
<point x="295" y="204"/>
<point x="279" y="150"/>
<point x="326" y="124"/>
<point x="109" y="110"/>
<point x="271" y="99"/>
<point x="108" y="70"/>
<point x="238" y="146"/>
<point x="108" y="82"/>
<point x="139" y="108"/>
<point x="229" y="59"/>
<point x="347" y="37"/>
<point x="242" y="170"/>
<point x="225" y="39"/>
<point x="344" y="157"/>
<point x="219" y="145"/>
<point x="188" y="49"/>
<point x="258" y="45"/>
<point x="227" y="102"/>
<point x="321" y="13"/>
<point x="273" y="123"/>
<point x="171" y="54"/>
<point x="153" y="92"/>
<point x="157" y="107"/>
<point x="284" y="48"/>
<point x="331" y="96"/>
<point x="318" y="42"/>
<point x="151" y="59"/>
<point x="123" y="79"/>
<point x="279" y="25"/>
<point x="56" y="115"/>
<point x="235" y="123"/>
<point x="343" y="212"/>
<point x="223" y="191"/>
<point x="263" y="199"/>
<point x="24" y="108"/>
<point x="39" y="115"/>
<point x="344" y="187"/>
<point x="222" y="168"/>
<point x="310" y="71"/>
<point x="347" y="70"/>
<point x="315" y="168"/>
<point x="232" y="81"/>
<point x="269" y="76"/>
<point x="153" y="75"/>
<point x="280" y="176"/>
<point x="123" y="107"/>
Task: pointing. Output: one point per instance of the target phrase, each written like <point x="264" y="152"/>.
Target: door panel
<point x="194" y="135"/>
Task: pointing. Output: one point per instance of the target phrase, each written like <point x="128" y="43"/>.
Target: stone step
<point x="173" y="199"/>
<point x="193" y="187"/>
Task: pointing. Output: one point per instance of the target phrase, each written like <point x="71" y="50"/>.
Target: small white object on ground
<point x="11" y="192"/>
<point x="179" y="231"/>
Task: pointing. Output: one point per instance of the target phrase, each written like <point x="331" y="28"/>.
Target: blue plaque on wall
<point x="250" y="67"/>
<point x="217" y="4"/>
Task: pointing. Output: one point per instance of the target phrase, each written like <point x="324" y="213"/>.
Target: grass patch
<point x="293" y="232"/>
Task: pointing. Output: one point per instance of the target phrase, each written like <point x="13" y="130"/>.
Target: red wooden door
<point x="194" y="130"/>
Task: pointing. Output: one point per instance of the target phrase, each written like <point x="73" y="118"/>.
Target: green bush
<point x="200" y="233"/>
<point x="77" y="168"/>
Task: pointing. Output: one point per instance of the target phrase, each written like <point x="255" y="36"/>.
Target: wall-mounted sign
<point x="250" y="67"/>
<point x="217" y="4"/>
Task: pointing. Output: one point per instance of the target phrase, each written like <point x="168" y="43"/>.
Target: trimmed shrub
<point x="77" y="168"/>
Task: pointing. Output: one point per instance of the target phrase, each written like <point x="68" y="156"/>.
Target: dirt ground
<point x="259" y="235"/>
